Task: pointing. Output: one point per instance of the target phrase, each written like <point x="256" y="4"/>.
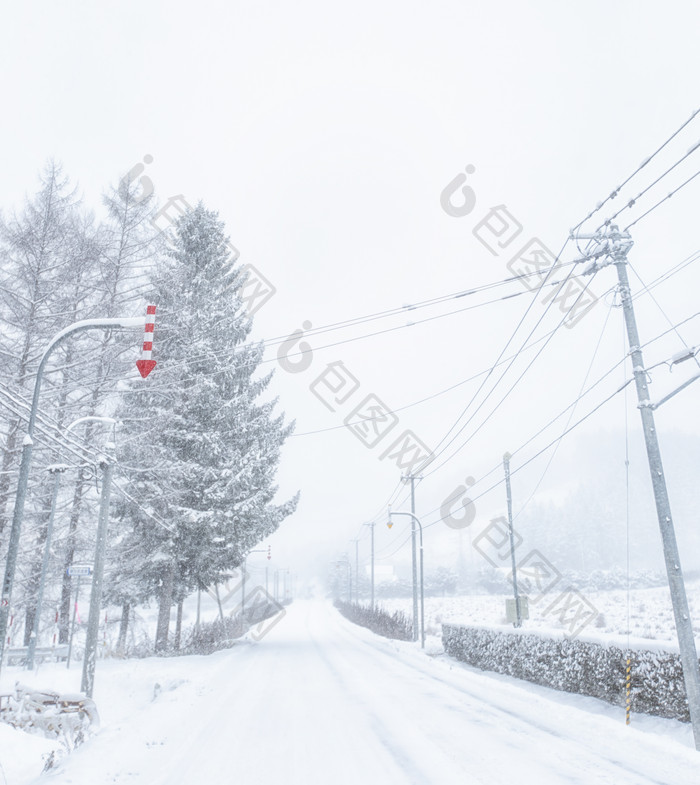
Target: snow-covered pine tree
<point x="208" y="447"/>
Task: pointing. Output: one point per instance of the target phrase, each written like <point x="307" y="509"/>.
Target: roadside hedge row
<point x="578" y="666"/>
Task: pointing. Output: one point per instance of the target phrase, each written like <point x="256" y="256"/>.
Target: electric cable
<point x="646" y="161"/>
<point x="661" y="201"/>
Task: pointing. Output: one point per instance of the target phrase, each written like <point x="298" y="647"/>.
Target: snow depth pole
<point x="612" y="247"/>
<point x="119" y="323"/>
<point x="628" y="691"/>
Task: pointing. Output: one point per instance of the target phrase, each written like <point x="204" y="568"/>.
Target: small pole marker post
<point x="628" y="698"/>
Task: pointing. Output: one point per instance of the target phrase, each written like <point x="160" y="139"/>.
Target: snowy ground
<point x="319" y="700"/>
<point x="650" y="613"/>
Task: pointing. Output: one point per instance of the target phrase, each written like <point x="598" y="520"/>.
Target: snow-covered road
<point x="320" y="700"/>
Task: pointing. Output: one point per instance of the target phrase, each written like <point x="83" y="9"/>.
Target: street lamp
<point x="348" y="575"/>
<point x="119" y="323"/>
<point x="245" y="560"/>
<point x="422" y="603"/>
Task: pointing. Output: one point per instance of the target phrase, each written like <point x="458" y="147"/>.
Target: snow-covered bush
<point x="390" y="625"/>
<point x="583" y="667"/>
<point x="209" y="637"/>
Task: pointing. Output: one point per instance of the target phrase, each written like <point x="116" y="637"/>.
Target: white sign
<point x="79" y="571"/>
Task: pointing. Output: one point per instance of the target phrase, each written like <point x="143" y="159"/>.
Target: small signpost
<point x="79" y="571"/>
<point x="76" y="571"/>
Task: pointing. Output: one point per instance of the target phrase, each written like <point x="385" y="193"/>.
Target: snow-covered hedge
<point x="576" y="666"/>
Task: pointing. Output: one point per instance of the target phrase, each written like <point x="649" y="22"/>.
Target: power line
<point x="665" y="276"/>
<point x="502" y="352"/>
<point x="661" y="201"/>
<point x="410" y="307"/>
<point x="510" y="389"/>
<point x="573" y="410"/>
<point x="434" y="395"/>
<point x="540" y="452"/>
<point x="259" y="346"/>
<point x="658" y="305"/>
<point x="646" y="161"/>
<point x="635" y="199"/>
<point x="544" y="428"/>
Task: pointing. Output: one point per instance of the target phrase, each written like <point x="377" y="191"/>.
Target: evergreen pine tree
<point x="208" y="447"/>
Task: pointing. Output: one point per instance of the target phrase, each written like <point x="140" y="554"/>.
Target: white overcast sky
<point x="324" y="134"/>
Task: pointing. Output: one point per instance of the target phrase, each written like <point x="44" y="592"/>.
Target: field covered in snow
<point x="650" y="613"/>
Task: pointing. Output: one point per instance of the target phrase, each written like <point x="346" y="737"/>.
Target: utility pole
<point x="56" y="470"/>
<point x="506" y="467"/>
<point x="245" y="564"/>
<point x="612" y="248"/>
<point x="372" y="568"/>
<point x="357" y="570"/>
<point x="414" y="561"/>
<point x="88" y="677"/>
<point x="371" y="527"/>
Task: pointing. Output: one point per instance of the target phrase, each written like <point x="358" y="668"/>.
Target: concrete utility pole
<point x="509" y="499"/>
<point x="414" y="566"/>
<point x="357" y="570"/>
<point x="56" y="470"/>
<point x="612" y="248"/>
<point x="372" y="575"/>
<point x="371" y="528"/>
<point x="88" y="678"/>
<point x="118" y="323"/>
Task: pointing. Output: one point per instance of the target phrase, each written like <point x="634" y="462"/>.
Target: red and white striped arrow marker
<point x="145" y="364"/>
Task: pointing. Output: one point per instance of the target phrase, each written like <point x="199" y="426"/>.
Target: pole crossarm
<point x="611" y="244"/>
<point x="655" y="404"/>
